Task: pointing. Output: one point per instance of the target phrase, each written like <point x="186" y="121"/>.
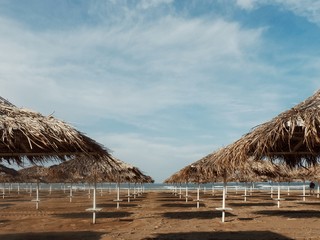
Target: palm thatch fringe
<point x="25" y="133"/>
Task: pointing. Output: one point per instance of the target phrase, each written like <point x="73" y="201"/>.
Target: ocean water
<point x="162" y="186"/>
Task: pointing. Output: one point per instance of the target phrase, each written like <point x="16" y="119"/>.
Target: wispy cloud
<point x="309" y="9"/>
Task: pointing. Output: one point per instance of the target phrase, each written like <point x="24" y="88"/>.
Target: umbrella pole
<point x="213" y="189"/>
<point x="101" y="185"/>
<point x="186" y="192"/>
<point x="3" y="191"/>
<point x="118" y="194"/>
<point x="278" y="194"/>
<point x="94" y="203"/>
<point x="271" y="190"/>
<point x="30" y="189"/>
<point x="18" y="188"/>
<point x="198" y="196"/>
<point x="245" y="191"/>
<point x="70" y="193"/>
<point x="304" y="190"/>
<point x="318" y="191"/>
<point x="180" y="191"/>
<point x="288" y="188"/>
<point x="89" y="191"/>
<point x="129" y="192"/>
<point x="37" y="199"/>
<point x="224" y="199"/>
<point x="134" y="190"/>
<point x="50" y="189"/>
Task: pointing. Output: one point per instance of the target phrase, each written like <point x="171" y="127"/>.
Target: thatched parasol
<point x="35" y="174"/>
<point x="28" y="134"/>
<point x="293" y="136"/>
<point x="7" y="170"/>
<point x="102" y="169"/>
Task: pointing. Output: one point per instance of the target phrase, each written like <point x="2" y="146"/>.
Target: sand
<point x="158" y="215"/>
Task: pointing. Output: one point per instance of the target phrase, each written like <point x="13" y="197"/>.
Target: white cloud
<point x="158" y="157"/>
<point x="116" y="69"/>
<point x="310" y="9"/>
<point x="246" y="4"/>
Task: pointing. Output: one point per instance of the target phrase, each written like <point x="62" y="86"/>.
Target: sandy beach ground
<point x="158" y="215"/>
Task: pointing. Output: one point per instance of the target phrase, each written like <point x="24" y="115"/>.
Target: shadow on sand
<point x="197" y="214"/>
<point x="53" y="235"/>
<point x="248" y="235"/>
<point x="99" y="215"/>
<point x="291" y="214"/>
<point x="252" y="204"/>
<point x="182" y="205"/>
<point x="114" y="205"/>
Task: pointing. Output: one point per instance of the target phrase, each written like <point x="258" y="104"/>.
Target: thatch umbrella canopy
<point x="28" y="134"/>
<point x="293" y="136"/>
<point x="130" y="174"/>
<point x="34" y="174"/>
<point x="7" y="170"/>
<point x="85" y="169"/>
<point x="103" y="169"/>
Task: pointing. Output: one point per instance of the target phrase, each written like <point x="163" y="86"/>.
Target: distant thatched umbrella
<point x="129" y="174"/>
<point x="212" y="167"/>
<point x="7" y="178"/>
<point x="7" y="170"/>
<point x="104" y="169"/>
<point x="35" y="174"/>
<point x="28" y="134"/>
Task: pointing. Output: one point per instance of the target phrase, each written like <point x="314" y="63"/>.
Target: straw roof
<point x="33" y="174"/>
<point x="85" y="169"/>
<point x="130" y="173"/>
<point x="293" y="136"/>
<point x="7" y="178"/>
<point x="103" y="169"/>
<point x="6" y="170"/>
<point x="28" y="134"/>
<point x="211" y="168"/>
<point x="193" y="173"/>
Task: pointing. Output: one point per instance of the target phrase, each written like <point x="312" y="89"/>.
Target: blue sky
<point x="161" y="83"/>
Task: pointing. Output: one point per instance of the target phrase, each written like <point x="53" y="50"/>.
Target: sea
<point x="162" y="186"/>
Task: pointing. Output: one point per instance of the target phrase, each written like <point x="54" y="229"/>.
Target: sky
<point x="160" y="83"/>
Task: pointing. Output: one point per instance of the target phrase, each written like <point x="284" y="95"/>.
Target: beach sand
<point x="158" y="215"/>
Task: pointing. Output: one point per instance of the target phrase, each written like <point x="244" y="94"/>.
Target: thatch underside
<point x="28" y="134"/>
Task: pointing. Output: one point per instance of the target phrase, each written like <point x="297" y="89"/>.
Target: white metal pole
<point x="224" y="199"/>
<point x="70" y="197"/>
<point x="186" y="192"/>
<point x="278" y="194"/>
<point x="37" y="199"/>
<point x="304" y="191"/>
<point x="118" y="194"/>
<point x="94" y="203"/>
<point x="245" y="192"/>
<point x="198" y="196"/>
